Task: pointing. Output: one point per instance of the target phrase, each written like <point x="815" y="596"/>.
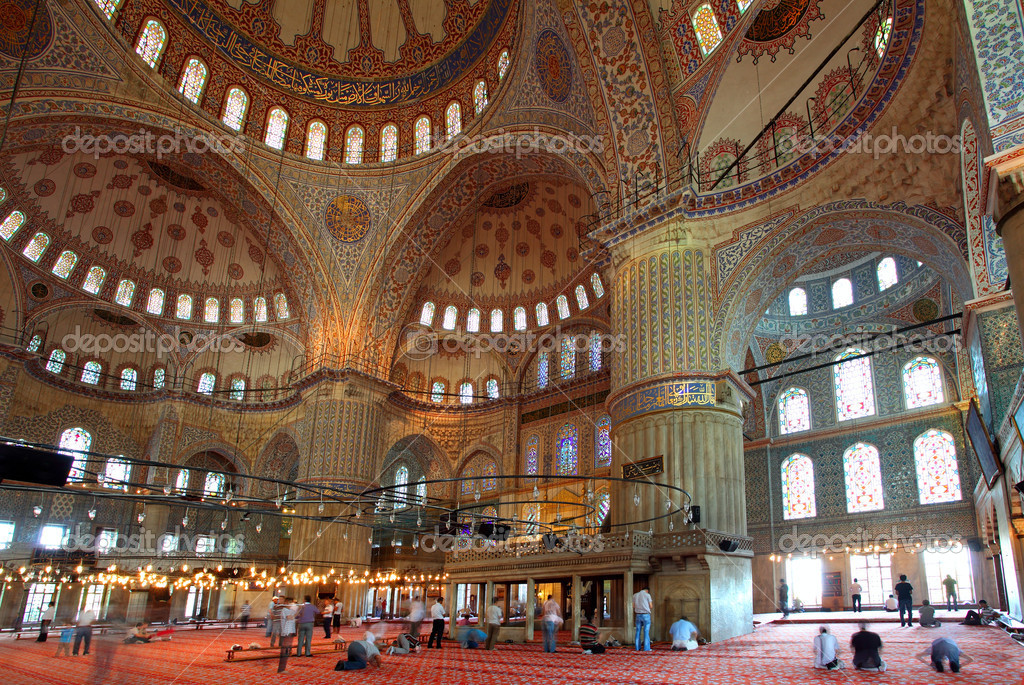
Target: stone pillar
<point x="576" y="608"/>
<point x="627" y="598"/>
<point x="1011" y="227"/>
<point x="531" y="607"/>
<point x="453" y="607"/>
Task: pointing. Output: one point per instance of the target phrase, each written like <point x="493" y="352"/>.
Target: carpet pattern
<point x="772" y="655"/>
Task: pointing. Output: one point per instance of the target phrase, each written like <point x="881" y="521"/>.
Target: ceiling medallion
<point x="778" y="27"/>
<point x="347" y="218"/>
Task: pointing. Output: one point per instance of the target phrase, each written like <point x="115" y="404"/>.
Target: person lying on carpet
<point x="470" y="638"/>
<point x="684" y="635"/>
<point x="826" y="650"/>
<point x="588" y="637"/>
<point x="866" y="646"/>
<point x="360" y="654"/>
<point x="942" y="650"/>
<point x="926" y="615"/>
<point x="985" y="616"/>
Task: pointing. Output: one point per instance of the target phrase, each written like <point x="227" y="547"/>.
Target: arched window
<point x="863" y="478"/>
<point x="277" y="127"/>
<point x="542" y="370"/>
<point x="211" y="310"/>
<point x="797" y="302"/>
<point x="595" y="351"/>
<point x="155" y="303"/>
<point x="532" y="455"/>
<point x="427" y="313"/>
<point x="193" y="78"/>
<point x="842" y="293"/>
<point x="402" y="485"/>
<point x="466" y="393"/>
<point x="37" y="246"/>
<point x="74" y="443"/>
<point x="421" y="490"/>
<point x="542" y="313"/>
<point x="562" y="304"/>
<point x="35" y="343"/>
<point x="469" y="481"/>
<point x="316" y="139"/>
<point x="497" y="321"/>
<point x="581" y="297"/>
<point x="94" y="279"/>
<point x="450" y="315"/>
<point x="503" y="62"/>
<point x="184" y="309"/>
<point x="882" y="36"/>
<point x="55" y="364"/>
<point x="237" y="389"/>
<point x="65" y="263"/>
<point x="568" y="357"/>
<point x="389" y="143"/>
<point x="125" y="292"/>
<point x="603" y="442"/>
<point x="151" y="42"/>
<point x="129" y="379"/>
<point x="237" y="313"/>
<point x="490" y="473"/>
<point x="887" y="276"/>
<point x="453" y="120"/>
<point x="531" y="515"/>
<point x="602" y="505"/>
<point x="422" y="134"/>
<point x="922" y="383"/>
<point x="566" y="450"/>
<point x="480" y="97"/>
<point x="259" y="306"/>
<point x="181" y="481"/>
<point x="492" y="388"/>
<point x="207" y="381"/>
<point x="705" y="24"/>
<point x="794" y="411"/>
<point x="91" y="372"/>
<point x="597" y="285"/>
<point x="11" y="224"/>
<point x="938" y="477"/>
<point x="235" y="105"/>
<point x="798" y="487"/>
<point x="214" y="485"/>
<point x="281" y="306"/>
<point x="473" y="320"/>
<point x="159" y="376"/>
<point x="519" y="318"/>
<point x="354" y="145"/>
<point x="108" y="7"/>
<point x="855" y="391"/>
<point x="489" y="514"/>
<point x="437" y="391"/>
<point x="116" y="473"/>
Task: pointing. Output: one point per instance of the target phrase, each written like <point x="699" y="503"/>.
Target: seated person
<point x="798" y="605"/>
<point x="826" y="649"/>
<point x="942" y="650"/>
<point x="470" y="638"/>
<point x="140" y="635"/>
<point x="866" y="646"/>
<point x="588" y="637"/>
<point x="360" y="653"/>
<point x="926" y="615"/>
<point x="684" y="635"/>
<point x="890" y="604"/>
<point x="985" y="616"/>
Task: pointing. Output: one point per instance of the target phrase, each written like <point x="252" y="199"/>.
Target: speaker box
<point x="27" y="464"/>
<point x="728" y="545"/>
<point x="494" y="531"/>
<point x="695" y="514"/>
<point x="974" y="544"/>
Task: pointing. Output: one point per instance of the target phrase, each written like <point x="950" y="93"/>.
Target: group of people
<point x="288" y="620"/>
<point x="867" y="646"/>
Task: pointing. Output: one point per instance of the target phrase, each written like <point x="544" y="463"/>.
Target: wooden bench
<point x="275" y="652"/>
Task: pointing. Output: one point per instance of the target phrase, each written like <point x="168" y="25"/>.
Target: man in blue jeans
<point x="642" y="603"/>
<point x="304" y="627"/>
<point x="905" y="600"/>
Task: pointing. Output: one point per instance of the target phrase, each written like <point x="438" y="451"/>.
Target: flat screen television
<point x="988" y="458"/>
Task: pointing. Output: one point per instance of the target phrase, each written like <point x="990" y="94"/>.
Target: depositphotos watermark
<point x="828" y="344"/>
<point x="421" y="343"/>
<point x="873" y="144"/>
<point x="812" y="544"/>
<point x="150" y="542"/>
<point x="520" y="143"/>
<point x="144" y="340"/>
<point x="579" y="543"/>
<point x="150" y="143"/>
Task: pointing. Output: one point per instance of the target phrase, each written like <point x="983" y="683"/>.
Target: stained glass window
<point x="922" y="382"/>
<point x="281" y="305"/>
<point x="91" y="372"/>
<point x="597" y="285"/>
<point x="437" y="391"/>
<point x="532" y="455"/>
<point x="562" y="304"/>
<point x="489" y="471"/>
<point x="260" y="309"/>
<point x="402" y="484"/>
<point x="108" y="7"/>
<point x="214" y="484"/>
<point x="489" y="514"/>
<point x="519" y="318"/>
<point x="938" y="477"/>
<point x="129" y="379"/>
<point x="389" y="143"/>
<point x="422" y="133"/>
<point x="316" y="139"/>
<point x="125" y="292"/>
<point x="492" y="388"/>
<point x="65" y="263"/>
<point x="466" y="393"/>
<point x="887" y="277"/>
<point x="181" y="481"/>
<point x="602" y="505"/>
<point x="566" y="454"/>
<point x="497" y="321"/>
<point x="581" y="297"/>
<point x="421" y="490"/>
<point x="159" y="375"/>
<point x="706" y="26"/>
<point x="744" y="5"/>
<point x="11" y="224"/>
<point x="794" y="411"/>
<point x="531" y="515"/>
<point x="595" y="351"/>
<point x="450" y="314"/>
<point x="354" y="145"/>
<point x="542" y="314"/>
<point x="55" y="364"/>
<point x="155" y="303"/>
<point x="568" y="357"/>
<point x="480" y="96"/>
<point x="882" y="36"/>
<point x="184" y="308"/>
<point x="75" y="442"/>
<point x="855" y="392"/>
<point x="277" y="126"/>
<point x="235" y="105"/>
<point x="468" y="479"/>
<point x="116" y="474"/>
<point x="503" y="62"/>
<point x="237" y="314"/>
<point x="863" y="478"/>
<point x="542" y="370"/>
<point x="206" y="383"/>
<point x="473" y="320"/>
<point x="798" y="500"/>
<point x="151" y="42"/>
<point x="94" y="279"/>
<point x="842" y="293"/>
<point x="453" y="120"/>
<point x="37" y="246"/>
<point x="193" y="78"/>
<point x="603" y="442"/>
<point x="35" y="343"/>
<point x="797" y="302"/>
<point x="238" y="389"/>
<point x="427" y="313"/>
<point x="211" y="310"/>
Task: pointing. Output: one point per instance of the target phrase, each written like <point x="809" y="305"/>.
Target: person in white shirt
<point x="890" y="604"/>
<point x="642" y="603"/>
<point x="286" y="615"/>
<point x="416" y="614"/>
<point x="825" y="648"/>
<point x="552" y="621"/>
<point x="45" y="620"/>
<point x="328" y="616"/>
<point x="437" y="623"/>
<point x="684" y="635"/>
<point x="855" y="590"/>
<point x="83" y="631"/>
<point x="492" y="616"/>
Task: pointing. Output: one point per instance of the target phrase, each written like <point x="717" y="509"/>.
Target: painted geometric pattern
<point x="998" y="27"/>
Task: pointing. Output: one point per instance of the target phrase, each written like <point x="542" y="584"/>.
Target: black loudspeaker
<point x="494" y="531"/>
<point x="728" y="545"/>
<point x="27" y="464"/>
<point x="1019" y="487"/>
<point x="694" y="514"/>
<point x="974" y="544"/>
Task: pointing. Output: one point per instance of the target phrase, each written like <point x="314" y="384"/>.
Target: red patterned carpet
<point x="773" y="654"/>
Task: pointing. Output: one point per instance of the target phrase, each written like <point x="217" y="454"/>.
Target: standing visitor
<point x="552" y="621"/>
<point x="339" y="608"/>
<point x="784" y="598"/>
<point x="642" y="603"/>
<point x="826" y="650"/>
<point x="64" y="646"/>
<point x="950" y="583"/>
<point x="905" y="600"/>
<point x="274" y="619"/>
<point x="416" y="614"/>
<point x="83" y="631"/>
<point x="493" y="618"/>
<point x="855" y="590"/>
<point x="866" y="646"/>
<point x="244" y="616"/>
<point x="437" y="623"/>
<point x="328" y="616"/>
<point x="286" y="615"/>
<point x="304" y="627"/>
<point x="45" y="620"/>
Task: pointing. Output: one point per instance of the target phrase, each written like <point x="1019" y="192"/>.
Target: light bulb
<point x="184" y="520"/>
<point x="536" y="492"/>
<point x="167" y="489"/>
<point x="259" y="527"/>
<point x="320" y="508"/>
<point x="319" y="532"/>
<point x="277" y="502"/>
<point x="224" y="524"/>
<point x="392" y="517"/>
<point x="37" y="510"/>
<point x="671" y="525"/>
<point x="419" y="520"/>
<point x="668" y="505"/>
<point x="636" y="499"/>
<point x="92" y="514"/>
<point x="344" y="536"/>
<point x="289" y="530"/>
<point x="142" y="516"/>
<point x="359" y="513"/>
